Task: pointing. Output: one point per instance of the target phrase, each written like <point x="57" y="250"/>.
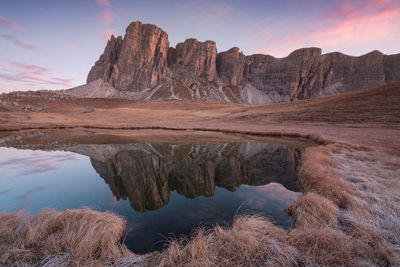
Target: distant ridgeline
<point x="142" y="65"/>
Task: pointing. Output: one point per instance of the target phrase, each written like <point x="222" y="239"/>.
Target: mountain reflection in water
<point x="162" y="190"/>
<point x="147" y="173"/>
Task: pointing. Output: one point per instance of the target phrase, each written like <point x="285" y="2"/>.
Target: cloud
<point x="18" y="42"/>
<point x="353" y="25"/>
<point x="30" y="73"/>
<point x="5" y="191"/>
<point x="357" y="24"/>
<point x="106" y="16"/>
<point x="30" y="165"/>
<point x="30" y="192"/>
<point x="31" y="67"/>
<point x="9" y="24"/>
<point x="103" y="2"/>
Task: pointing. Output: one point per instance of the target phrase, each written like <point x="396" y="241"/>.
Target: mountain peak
<point x="143" y="65"/>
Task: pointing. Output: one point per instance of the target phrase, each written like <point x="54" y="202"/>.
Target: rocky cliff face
<point x="143" y="66"/>
<point x="193" y="60"/>
<point x="141" y="59"/>
<point x="103" y="68"/>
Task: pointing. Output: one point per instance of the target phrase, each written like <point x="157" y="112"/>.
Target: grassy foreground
<point x="348" y="215"/>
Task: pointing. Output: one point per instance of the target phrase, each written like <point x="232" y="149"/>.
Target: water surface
<point x="163" y="190"/>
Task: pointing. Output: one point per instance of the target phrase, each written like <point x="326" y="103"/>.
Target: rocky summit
<point x="143" y="66"/>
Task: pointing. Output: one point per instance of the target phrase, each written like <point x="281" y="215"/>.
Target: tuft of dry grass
<point x="53" y="238"/>
<point x="313" y="210"/>
<point x="251" y="241"/>
<point x="324" y="246"/>
<point x="317" y="175"/>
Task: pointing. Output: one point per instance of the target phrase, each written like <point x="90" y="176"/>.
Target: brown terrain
<point x="348" y="215"/>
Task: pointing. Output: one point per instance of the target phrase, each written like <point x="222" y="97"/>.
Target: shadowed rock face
<point x="105" y="65"/>
<point x="145" y="174"/>
<point x="144" y="67"/>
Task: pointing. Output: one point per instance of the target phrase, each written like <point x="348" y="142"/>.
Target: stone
<point x="137" y="61"/>
<point x="104" y="66"/>
<point x="142" y="66"/>
<point x="192" y="61"/>
<point x="230" y="66"/>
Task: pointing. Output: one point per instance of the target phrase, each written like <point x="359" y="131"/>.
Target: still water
<point x="162" y="190"/>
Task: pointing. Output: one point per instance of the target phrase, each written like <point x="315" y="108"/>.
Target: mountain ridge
<point x="143" y="66"/>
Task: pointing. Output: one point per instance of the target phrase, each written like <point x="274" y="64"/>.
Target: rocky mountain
<point x="147" y="173"/>
<point x="143" y="66"/>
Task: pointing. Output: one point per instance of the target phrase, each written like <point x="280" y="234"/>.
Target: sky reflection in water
<point x="161" y="190"/>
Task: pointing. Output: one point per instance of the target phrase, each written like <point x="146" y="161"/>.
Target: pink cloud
<point x="62" y="81"/>
<point x="106" y="16"/>
<point x="361" y="25"/>
<point x="354" y="24"/>
<point x="103" y="2"/>
<point x="28" y="165"/>
<point x="9" y="24"/>
<point x="31" y="67"/>
<point x="18" y="42"/>
<point x="31" y="74"/>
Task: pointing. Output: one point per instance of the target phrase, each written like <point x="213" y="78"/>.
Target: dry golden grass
<point x="71" y="237"/>
<point x="313" y="210"/>
<point x="251" y="241"/>
<point x="317" y="175"/>
<point x="324" y="246"/>
<point x="375" y="107"/>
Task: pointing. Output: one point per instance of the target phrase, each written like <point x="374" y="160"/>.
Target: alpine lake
<point x="164" y="187"/>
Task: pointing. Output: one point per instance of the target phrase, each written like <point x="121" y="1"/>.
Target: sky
<point x="52" y="44"/>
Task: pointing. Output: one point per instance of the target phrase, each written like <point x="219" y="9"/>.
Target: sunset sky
<point x="48" y="44"/>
